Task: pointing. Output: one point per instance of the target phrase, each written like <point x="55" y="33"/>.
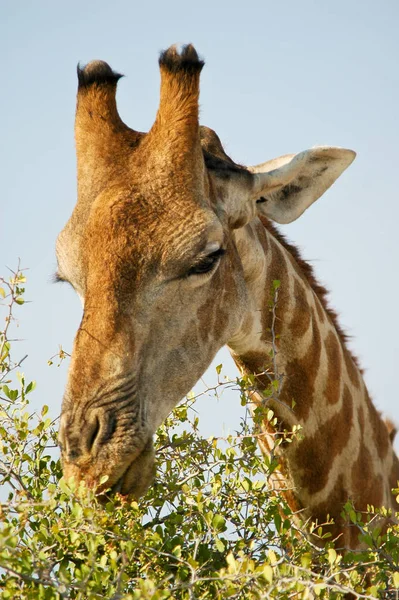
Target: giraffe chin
<point x="132" y="484"/>
<point x="137" y="478"/>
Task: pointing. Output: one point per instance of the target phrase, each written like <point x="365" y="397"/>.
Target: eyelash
<point x="206" y="264"/>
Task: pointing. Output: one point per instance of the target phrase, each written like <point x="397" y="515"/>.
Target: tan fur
<point x="152" y="211"/>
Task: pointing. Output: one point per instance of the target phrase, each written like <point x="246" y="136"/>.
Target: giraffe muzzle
<point x="138" y="476"/>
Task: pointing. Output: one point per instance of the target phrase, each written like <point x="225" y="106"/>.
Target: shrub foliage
<point x="210" y="527"/>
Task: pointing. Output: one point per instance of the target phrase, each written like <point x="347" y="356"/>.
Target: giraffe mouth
<point x="136" y="478"/>
<point x="117" y="487"/>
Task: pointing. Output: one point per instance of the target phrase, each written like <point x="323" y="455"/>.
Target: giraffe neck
<point x="345" y="452"/>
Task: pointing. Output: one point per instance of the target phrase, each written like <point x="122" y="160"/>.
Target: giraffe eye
<point x="206" y="264"/>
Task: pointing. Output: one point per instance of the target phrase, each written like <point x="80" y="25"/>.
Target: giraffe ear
<point x="286" y="186"/>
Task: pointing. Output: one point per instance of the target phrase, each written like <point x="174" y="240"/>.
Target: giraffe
<point x="173" y="250"/>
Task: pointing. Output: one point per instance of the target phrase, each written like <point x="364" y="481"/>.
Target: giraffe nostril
<point x="101" y="430"/>
<point x="73" y="455"/>
<point x="93" y="435"/>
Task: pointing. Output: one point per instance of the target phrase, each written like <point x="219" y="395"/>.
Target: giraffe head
<point x="150" y="250"/>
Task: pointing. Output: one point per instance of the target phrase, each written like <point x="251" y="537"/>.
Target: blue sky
<point x="280" y="77"/>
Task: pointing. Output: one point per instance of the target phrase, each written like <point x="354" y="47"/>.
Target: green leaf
<point x="306" y="560"/>
<point x="219" y="545"/>
<point x="268" y="573"/>
<point x="74" y="536"/>
<point x="11" y="394"/>
<point x="319" y="587"/>
<point x="219" y="523"/>
<point x="64" y="486"/>
<point x="332" y="556"/>
<point x="231" y="562"/>
<point x="352" y="516"/>
<point x="272" y="556"/>
<point x="6" y="390"/>
<point x="30" y="387"/>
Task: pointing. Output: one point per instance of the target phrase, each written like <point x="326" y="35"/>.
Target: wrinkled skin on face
<point x="150" y="249"/>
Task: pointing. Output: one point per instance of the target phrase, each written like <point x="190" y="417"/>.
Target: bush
<point x="210" y="527"/>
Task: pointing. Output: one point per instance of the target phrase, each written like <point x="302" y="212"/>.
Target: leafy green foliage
<point x="209" y="528"/>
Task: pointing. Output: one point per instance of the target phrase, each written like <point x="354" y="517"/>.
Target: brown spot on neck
<point x="316" y="454"/>
<point x="255" y="363"/>
<point x="300" y="376"/>
<point x="277" y="272"/>
<point x="366" y="485"/>
<point x="333" y="381"/>
<point x="333" y="508"/>
<point x="301" y="318"/>
<point x="379" y="429"/>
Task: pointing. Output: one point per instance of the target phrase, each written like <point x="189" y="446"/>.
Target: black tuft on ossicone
<point x="185" y="62"/>
<point x="97" y="72"/>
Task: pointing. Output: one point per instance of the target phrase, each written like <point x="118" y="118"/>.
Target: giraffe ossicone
<point x="173" y="253"/>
